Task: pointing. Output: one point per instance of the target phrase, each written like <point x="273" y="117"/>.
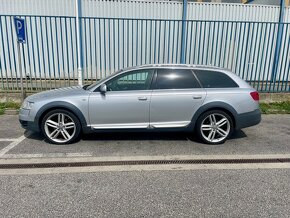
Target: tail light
<point x="255" y="95"/>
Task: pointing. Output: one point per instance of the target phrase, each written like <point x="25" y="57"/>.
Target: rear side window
<point x="214" y="79"/>
<point x="175" y="79"/>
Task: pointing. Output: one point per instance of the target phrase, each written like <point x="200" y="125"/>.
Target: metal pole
<point x="78" y="26"/>
<point x="20" y="71"/>
<point x="279" y="40"/>
<point x="184" y="10"/>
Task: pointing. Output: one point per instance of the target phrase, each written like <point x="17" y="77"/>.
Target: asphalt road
<point x="272" y="136"/>
<point x="206" y="193"/>
<point x="248" y="192"/>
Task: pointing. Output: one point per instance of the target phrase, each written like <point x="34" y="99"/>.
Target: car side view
<point x="208" y="101"/>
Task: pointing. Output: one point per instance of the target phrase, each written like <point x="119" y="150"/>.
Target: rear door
<point x="176" y="96"/>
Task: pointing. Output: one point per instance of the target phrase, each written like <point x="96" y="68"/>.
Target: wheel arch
<point x="61" y="105"/>
<point x="215" y="106"/>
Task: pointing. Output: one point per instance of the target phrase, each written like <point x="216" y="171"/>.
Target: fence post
<point x="79" y="42"/>
<point x="279" y="40"/>
<point x="182" y="50"/>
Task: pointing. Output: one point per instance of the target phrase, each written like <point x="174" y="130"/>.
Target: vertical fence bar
<point x="79" y="41"/>
<point x="4" y="56"/>
<point x="182" y="51"/>
<point x="279" y="41"/>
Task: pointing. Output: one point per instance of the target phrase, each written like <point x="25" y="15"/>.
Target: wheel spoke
<point x="54" y="133"/>
<point x="62" y="118"/>
<point x="213" y="135"/>
<point x="69" y="125"/>
<point x="206" y="127"/>
<point x="213" y="119"/>
<point x="59" y="118"/>
<point x="66" y="133"/>
<point x="222" y="122"/>
<point x="210" y="119"/>
<point x="210" y="135"/>
<point x="51" y="123"/>
<point x="224" y="133"/>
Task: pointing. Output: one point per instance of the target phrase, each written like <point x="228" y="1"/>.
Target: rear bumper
<point x="248" y="119"/>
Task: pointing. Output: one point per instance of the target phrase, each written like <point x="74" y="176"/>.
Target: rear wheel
<point x="214" y="127"/>
<point x="60" y="126"/>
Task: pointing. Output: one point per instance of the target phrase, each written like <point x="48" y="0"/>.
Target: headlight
<point x="27" y="104"/>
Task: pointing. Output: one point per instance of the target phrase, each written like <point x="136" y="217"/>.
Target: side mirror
<point x="103" y="88"/>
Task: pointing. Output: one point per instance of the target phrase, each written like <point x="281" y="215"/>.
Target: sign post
<point x="20" y="28"/>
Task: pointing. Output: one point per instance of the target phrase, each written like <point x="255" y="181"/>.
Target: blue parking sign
<point x="20" y="29"/>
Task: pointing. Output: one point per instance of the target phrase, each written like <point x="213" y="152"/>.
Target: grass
<point x="8" y="105"/>
<point x="275" y="107"/>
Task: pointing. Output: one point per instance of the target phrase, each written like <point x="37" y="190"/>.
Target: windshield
<point x="101" y="80"/>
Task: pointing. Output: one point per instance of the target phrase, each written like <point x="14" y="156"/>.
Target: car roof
<point x="174" y="66"/>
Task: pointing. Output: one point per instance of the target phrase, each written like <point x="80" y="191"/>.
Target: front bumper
<point x="27" y="121"/>
<point x="248" y="119"/>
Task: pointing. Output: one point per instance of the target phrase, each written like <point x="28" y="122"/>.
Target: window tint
<point x="214" y="79"/>
<point x="135" y="80"/>
<point x="175" y="79"/>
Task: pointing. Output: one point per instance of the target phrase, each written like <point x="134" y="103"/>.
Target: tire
<point x="214" y="127"/>
<point x="60" y="126"/>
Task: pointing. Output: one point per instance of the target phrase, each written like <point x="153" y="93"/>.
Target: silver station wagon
<point x="204" y="100"/>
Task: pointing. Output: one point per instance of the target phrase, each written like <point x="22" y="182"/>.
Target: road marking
<point x="140" y="168"/>
<point x="8" y="140"/>
<point x="13" y="144"/>
<point x="48" y="155"/>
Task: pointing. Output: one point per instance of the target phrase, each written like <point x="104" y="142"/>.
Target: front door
<point x="126" y="103"/>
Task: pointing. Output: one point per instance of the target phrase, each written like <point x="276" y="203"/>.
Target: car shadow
<point x="155" y="136"/>
<point x="137" y="136"/>
<point x="238" y="134"/>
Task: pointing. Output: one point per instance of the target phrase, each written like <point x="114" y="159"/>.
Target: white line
<point x="140" y="168"/>
<point x="8" y="140"/>
<point x="13" y="144"/>
<point x="48" y="155"/>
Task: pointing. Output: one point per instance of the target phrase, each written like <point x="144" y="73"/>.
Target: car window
<point x="214" y="79"/>
<point x="134" y="80"/>
<point x="175" y="79"/>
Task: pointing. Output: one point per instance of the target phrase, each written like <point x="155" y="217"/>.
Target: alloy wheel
<point x="60" y="127"/>
<point x="215" y="127"/>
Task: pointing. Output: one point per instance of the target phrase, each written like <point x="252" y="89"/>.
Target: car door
<point x="125" y="104"/>
<point x="176" y="96"/>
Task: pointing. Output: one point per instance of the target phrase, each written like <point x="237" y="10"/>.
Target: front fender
<point x="61" y="105"/>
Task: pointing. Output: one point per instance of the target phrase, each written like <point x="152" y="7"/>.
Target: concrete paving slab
<point x="10" y="127"/>
<point x="3" y="145"/>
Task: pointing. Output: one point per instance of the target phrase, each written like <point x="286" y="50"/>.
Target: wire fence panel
<point x="109" y="44"/>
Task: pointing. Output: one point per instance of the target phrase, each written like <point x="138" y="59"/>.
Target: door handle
<point x="197" y="97"/>
<point x="142" y="98"/>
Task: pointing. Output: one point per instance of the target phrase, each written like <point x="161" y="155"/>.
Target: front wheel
<point x="214" y="127"/>
<point x="60" y="126"/>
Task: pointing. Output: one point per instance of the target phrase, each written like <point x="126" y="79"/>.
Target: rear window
<point x="175" y="79"/>
<point x="214" y="79"/>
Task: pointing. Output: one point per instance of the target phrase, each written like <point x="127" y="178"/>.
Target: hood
<point x="57" y="93"/>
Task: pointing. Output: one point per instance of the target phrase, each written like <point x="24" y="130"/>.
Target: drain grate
<point x="144" y="162"/>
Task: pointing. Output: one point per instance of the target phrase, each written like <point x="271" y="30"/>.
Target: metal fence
<point x="108" y="44"/>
